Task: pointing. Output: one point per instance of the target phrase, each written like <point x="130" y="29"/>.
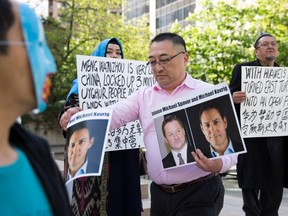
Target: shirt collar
<point x="188" y="81"/>
<point x="81" y="171"/>
<point x="259" y="63"/>
<point x="229" y="150"/>
<point x="183" y="152"/>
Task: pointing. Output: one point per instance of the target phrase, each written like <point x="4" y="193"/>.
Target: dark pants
<point x="266" y="201"/>
<point x="204" y="198"/>
<point x="261" y="202"/>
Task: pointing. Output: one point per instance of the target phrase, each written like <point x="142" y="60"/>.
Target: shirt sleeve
<point x="125" y="111"/>
<point x="228" y="162"/>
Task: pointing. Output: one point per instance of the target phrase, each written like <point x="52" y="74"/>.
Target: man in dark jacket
<point x="260" y="171"/>
<point x="30" y="182"/>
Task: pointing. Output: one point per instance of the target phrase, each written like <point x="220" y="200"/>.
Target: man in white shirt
<point x="79" y="142"/>
<point x="174" y="133"/>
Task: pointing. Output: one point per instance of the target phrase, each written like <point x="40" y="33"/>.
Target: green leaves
<point x="81" y="25"/>
<point x="224" y="34"/>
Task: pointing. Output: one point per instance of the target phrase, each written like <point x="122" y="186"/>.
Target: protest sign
<point x="86" y="138"/>
<point x="209" y="121"/>
<point x="103" y="82"/>
<point x="264" y="113"/>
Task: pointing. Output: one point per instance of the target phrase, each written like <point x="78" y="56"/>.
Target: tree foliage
<point x="224" y="34"/>
<point x="82" y="24"/>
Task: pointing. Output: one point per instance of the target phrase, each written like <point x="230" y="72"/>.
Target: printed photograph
<point x="210" y="126"/>
<point x="85" y="141"/>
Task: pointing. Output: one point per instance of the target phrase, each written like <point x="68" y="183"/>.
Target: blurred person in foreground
<point x="30" y="181"/>
<point x="260" y="171"/>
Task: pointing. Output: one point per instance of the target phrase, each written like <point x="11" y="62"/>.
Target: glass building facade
<point x="162" y="13"/>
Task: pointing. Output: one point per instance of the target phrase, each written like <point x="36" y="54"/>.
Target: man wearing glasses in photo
<point x="260" y="171"/>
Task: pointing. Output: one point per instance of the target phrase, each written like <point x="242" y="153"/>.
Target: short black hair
<point x="7" y="19"/>
<point x="76" y="127"/>
<point x="174" y="38"/>
<point x="168" y="119"/>
<point x="211" y="105"/>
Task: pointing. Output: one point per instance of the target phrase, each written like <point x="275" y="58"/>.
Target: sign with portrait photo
<point x="204" y="120"/>
<point x="86" y="138"/>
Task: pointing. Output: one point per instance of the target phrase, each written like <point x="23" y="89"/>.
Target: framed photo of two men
<point x="204" y="120"/>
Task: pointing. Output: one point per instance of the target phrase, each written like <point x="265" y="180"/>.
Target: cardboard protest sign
<point x="205" y="120"/>
<point x="103" y="82"/>
<point x="86" y="138"/>
<point x="264" y="113"/>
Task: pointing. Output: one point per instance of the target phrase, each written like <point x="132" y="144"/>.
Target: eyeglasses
<point x="266" y="44"/>
<point x="162" y="62"/>
<point x="13" y="43"/>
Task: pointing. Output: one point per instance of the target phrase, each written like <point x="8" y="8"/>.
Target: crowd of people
<point x="32" y="183"/>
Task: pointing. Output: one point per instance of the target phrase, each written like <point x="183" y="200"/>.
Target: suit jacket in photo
<point x="169" y="161"/>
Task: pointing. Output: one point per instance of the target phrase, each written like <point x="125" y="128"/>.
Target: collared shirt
<point x="80" y="171"/>
<point x="183" y="153"/>
<point x="138" y="106"/>
<point x="229" y="150"/>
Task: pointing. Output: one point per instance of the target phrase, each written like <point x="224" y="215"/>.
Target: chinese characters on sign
<point x="265" y="111"/>
<point x="103" y="82"/>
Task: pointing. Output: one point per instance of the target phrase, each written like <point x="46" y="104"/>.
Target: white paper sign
<point x="87" y="133"/>
<point x="103" y="82"/>
<point x="265" y="111"/>
<point x="220" y="126"/>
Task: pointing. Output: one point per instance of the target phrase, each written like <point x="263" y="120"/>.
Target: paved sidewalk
<point x="232" y="199"/>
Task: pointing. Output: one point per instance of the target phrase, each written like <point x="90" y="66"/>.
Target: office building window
<point x="169" y="18"/>
<point x="162" y="3"/>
